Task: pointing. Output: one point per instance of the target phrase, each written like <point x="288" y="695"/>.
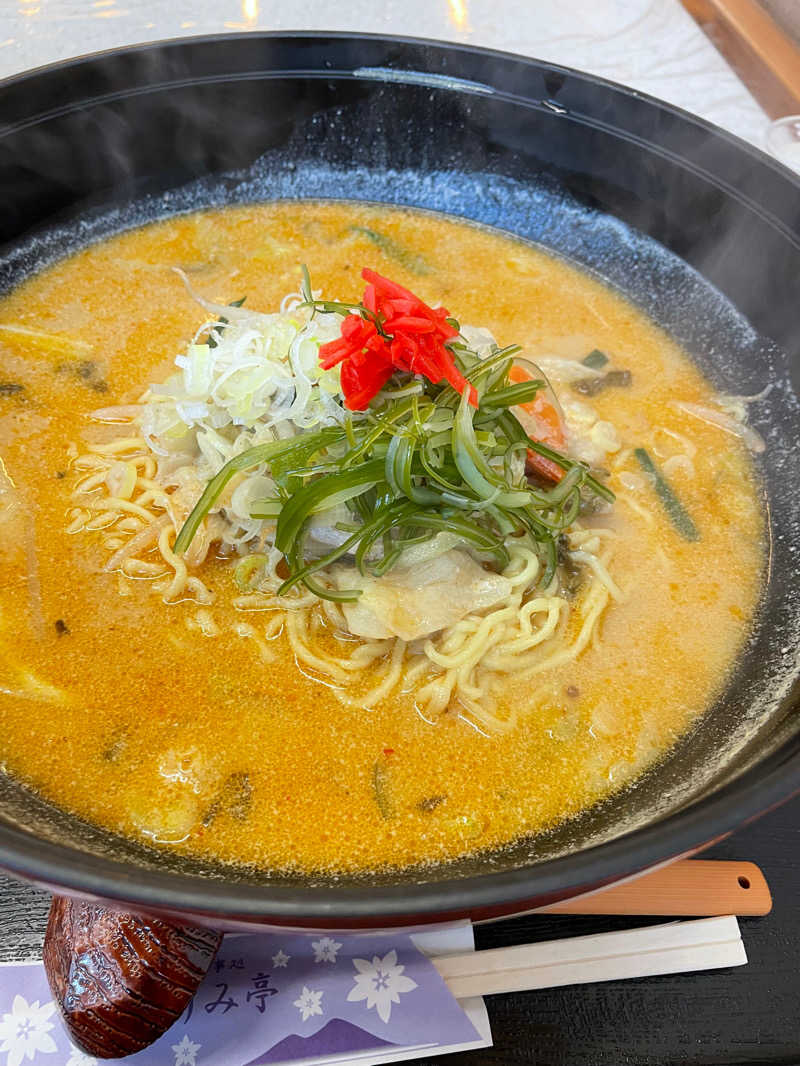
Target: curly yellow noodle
<point x="244" y="629"/>
<point x="110" y="504"/>
<point x="386" y="686"/>
<point x="459" y="669"/>
<point x="119" y="447"/>
<point x="623" y="497"/>
<point x="91" y="481"/>
<point x="77" y="519"/>
<point x="297" y="632"/>
<point x="101" y="521"/>
<point x="140" y="540"/>
<point x="153" y="496"/>
<point x="140" y="568"/>
<point x="593" y="606"/>
<point x="200" y="593"/>
<point x="130" y="524"/>
<point x="598" y="567"/>
<point x="274" y="627"/>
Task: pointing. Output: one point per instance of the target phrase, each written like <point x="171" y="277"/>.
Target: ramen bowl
<point x="699" y="230"/>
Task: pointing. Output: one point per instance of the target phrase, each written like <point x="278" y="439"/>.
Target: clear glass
<point x="783" y="141"/>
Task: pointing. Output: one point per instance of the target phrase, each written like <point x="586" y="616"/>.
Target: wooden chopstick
<point x="680" y="947"/>
<point x="762" y="54"/>
<point x="687" y="887"/>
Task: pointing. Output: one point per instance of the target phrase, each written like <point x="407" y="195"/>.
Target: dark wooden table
<point x="746" y="1015"/>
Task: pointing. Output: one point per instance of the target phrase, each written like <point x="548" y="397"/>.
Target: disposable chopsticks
<point x="763" y="55"/>
<point x="679" y="947"/>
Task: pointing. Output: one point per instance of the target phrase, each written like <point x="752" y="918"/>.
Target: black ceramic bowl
<point x="698" y="228"/>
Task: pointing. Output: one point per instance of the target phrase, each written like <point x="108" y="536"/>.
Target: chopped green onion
<point x="515" y="432"/>
<point x="322" y="493"/>
<point x="223" y="321"/>
<point x="677" y="513"/>
<point x="262" y="453"/>
<point x="380" y="790"/>
<point x="246" y="569"/>
<point x="471" y="463"/>
<point x="512" y="395"/>
<point x="266" y="509"/>
<point x="595" y="359"/>
<point x="305" y="285"/>
<point x="417" y="264"/>
<point x="418" y="461"/>
<point x="501" y="359"/>
<point x="551" y="562"/>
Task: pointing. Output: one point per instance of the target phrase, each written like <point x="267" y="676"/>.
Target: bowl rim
<point x="706" y="819"/>
<point x="440" y="44"/>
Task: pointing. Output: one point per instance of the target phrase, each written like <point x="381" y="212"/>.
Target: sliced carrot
<point x="543" y="467"/>
<point x="550" y="429"/>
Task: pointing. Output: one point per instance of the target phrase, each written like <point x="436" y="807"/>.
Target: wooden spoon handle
<point x="686" y="887"/>
<point x="121" y="980"/>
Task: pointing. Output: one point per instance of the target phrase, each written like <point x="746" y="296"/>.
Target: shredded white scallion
<point x="726" y="422"/>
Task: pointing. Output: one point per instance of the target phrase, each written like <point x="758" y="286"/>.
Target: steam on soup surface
<point x="520" y="638"/>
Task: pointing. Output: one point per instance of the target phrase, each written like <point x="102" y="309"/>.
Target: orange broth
<point x="115" y="709"/>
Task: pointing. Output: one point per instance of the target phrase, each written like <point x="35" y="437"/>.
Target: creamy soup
<point x="466" y="696"/>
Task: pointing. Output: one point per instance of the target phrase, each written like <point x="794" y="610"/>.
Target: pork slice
<point x="413" y="602"/>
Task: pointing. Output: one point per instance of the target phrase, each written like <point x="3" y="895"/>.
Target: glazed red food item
<point x="394" y="330"/>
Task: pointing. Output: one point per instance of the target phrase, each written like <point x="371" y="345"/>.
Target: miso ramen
<point x="339" y="537"/>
